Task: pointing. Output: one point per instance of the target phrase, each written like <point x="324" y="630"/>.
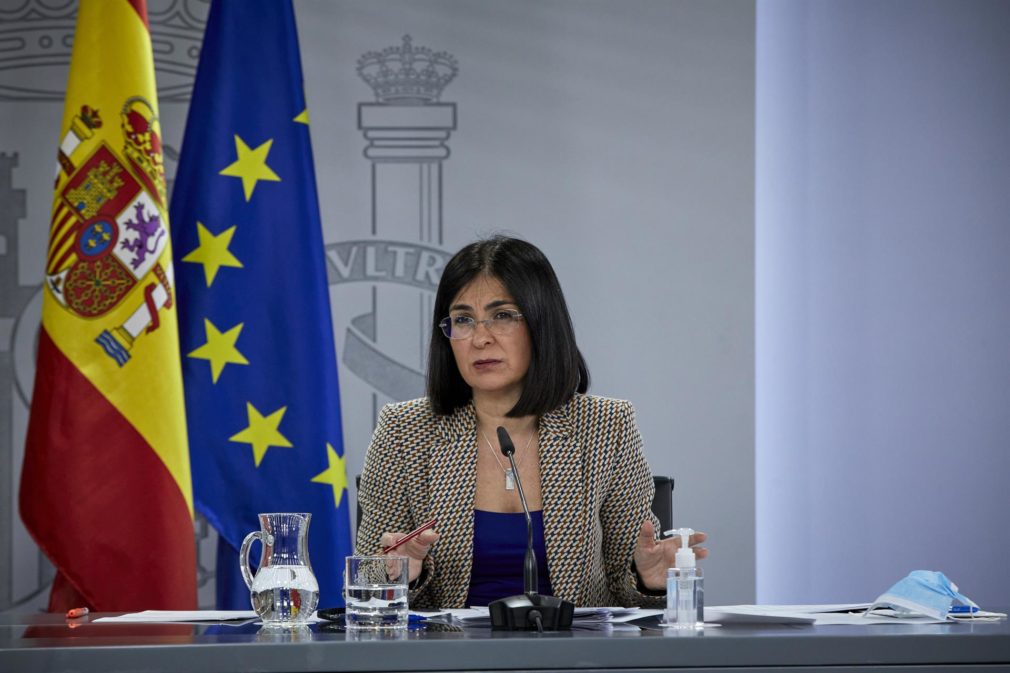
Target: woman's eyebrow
<point x="487" y="307"/>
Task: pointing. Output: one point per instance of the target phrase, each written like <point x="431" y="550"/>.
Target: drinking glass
<point x="375" y="589"/>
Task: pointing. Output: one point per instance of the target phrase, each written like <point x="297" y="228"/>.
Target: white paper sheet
<point x="583" y="617"/>
<point x="174" y="616"/>
<point x="232" y="617"/>
<point x="850" y="614"/>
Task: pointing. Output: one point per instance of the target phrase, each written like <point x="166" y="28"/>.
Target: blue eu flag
<point x="259" y="369"/>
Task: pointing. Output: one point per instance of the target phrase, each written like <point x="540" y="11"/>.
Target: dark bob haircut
<point x="557" y="369"/>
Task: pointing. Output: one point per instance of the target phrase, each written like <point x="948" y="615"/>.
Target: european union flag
<point x="259" y="369"/>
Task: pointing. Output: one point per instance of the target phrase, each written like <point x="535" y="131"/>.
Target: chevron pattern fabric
<point x="595" y="482"/>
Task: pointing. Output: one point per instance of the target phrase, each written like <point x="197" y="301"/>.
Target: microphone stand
<point x="528" y="610"/>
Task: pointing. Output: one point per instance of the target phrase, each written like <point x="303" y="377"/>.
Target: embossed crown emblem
<point x="142" y="142"/>
<point x="407" y="75"/>
<point x="37" y="39"/>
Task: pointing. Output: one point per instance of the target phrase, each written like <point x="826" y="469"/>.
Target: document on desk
<point x="850" y="614"/>
<point x="771" y="614"/>
<point x="236" y="617"/>
<point x="585" y="618"/>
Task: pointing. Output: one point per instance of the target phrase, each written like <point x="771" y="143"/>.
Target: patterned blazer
<point x="596" y="486"/>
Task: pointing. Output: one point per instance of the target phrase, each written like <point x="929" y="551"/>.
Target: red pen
<point x="409" y="536"/>
<point x="74" y="613"/>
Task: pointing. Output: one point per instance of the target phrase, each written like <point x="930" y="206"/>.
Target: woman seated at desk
<point x="503" y="353"/>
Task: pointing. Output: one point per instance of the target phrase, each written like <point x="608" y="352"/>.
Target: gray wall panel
<point x="883" y="375"/>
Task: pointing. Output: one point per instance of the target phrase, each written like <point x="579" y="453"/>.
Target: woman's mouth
<point x="485" y="364"/>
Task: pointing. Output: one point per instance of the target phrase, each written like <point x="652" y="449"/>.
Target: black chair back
<point x="662" y="502"/>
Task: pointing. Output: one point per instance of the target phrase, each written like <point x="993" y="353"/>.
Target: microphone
<point x="528" y="610"/>
<point x="508" y="449"/>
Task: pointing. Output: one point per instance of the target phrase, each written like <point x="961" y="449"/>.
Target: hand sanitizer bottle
<point x="685" y="595"/>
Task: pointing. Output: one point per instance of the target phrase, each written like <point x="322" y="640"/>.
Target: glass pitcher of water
<point x="284" y="590"/>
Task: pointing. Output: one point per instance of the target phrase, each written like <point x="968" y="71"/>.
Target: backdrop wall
<point x="883" y="278"/>
<point x="619" y="137"/>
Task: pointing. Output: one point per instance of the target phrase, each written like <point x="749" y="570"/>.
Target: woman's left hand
<point x="653" y="557"/>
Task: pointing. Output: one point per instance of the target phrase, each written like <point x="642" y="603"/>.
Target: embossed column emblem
<point x="407" y="128"/>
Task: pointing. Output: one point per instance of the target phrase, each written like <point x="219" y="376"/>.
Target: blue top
<point x="499" y="548"/>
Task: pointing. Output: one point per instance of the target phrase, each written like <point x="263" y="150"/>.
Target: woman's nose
<point x="482" y="334"/>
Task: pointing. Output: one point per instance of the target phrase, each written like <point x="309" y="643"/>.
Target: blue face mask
<point x="923" y="592"/>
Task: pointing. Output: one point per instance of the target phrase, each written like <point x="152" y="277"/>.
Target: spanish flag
<point x="105" y="487"/>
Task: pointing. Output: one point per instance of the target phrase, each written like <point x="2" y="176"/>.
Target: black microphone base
<point x="519" y="613"/>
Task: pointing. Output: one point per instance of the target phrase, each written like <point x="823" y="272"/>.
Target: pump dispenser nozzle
<point x="685" y="555"/>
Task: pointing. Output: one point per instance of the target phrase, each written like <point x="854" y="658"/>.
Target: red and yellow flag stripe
<point x="106" y="488"/>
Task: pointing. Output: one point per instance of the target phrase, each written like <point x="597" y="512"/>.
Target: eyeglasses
<point x="502" y="323"/>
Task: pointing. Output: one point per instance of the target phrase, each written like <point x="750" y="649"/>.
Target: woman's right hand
<point x="415" y="550"/>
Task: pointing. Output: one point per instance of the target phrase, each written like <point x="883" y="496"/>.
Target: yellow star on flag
<point x="335" y="475"/>
<point x="303" y="118"/>
<point x="251" y="166"/>
<point x="262" y="432"/>
<point x="213" y="252"/>
<point x="220" y="348"/>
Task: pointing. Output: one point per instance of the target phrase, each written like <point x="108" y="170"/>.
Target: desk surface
<point x="43" y="642"/>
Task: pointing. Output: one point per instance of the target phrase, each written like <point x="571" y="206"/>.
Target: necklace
<point x="510" y="477"/>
